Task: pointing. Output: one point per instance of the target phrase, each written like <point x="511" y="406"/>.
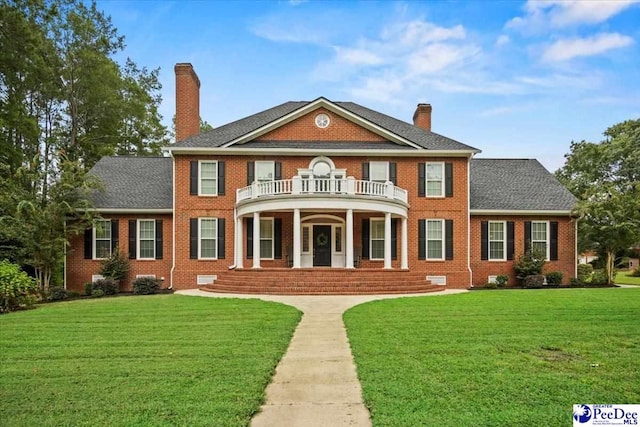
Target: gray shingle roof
<point x="516" y="184"/>
<point x="227" y="133"/>
<point x="134" y="183"/>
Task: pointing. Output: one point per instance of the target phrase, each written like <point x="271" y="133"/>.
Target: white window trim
<point x="309" y="244"/>
<point x="426" y="239"/>
<point x="94" y="238"/>
<point x="255" y="169"/>
<point x="138" y="239"/>
<point x="334" y="249"/>
<point x="386" y="171"/>
<point x="200" y="162"/>
<point x="547" y="242"/>
<point x="371" y="221"/>
<point x="273" y="238"/>
<point x="426" y="180"/>
<point x="208" y="238"/>
<point x="504" y="241"/>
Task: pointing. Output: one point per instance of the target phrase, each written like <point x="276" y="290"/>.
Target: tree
<point x="605" y="177"/>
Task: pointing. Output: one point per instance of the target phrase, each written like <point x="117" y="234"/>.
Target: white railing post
<point x="390" y="189"/>
<point x="296" y="184"/>
<point x="351" y="185"/>
<point x="254" y="189"/>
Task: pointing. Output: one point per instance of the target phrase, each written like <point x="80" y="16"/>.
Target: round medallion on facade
<point x="322" y="121"/>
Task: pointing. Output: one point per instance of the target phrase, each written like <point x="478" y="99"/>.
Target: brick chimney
<point x="187" y="102"/>
<point x="422" y="117"/>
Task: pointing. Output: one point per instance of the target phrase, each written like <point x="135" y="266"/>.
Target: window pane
<point x="496" y="250"/>
<point x="540" y="246"/>
<point x="103" y="229"/>
<point x="147" y="229"/>
<point x="305" y="239"/>
<point x="378" y="171"/>
<point x="377" y="249"/>
<point x="208" y="229"/>
<point x="434" y="249"/>
<point x="434" y="230"/>
<point x="147" y="249"/>
<point x="539" y="231"/>
<point x="377" y="229"/>
<point x="434" y="188"/>
<point x="338" y="239"/>
<point x="209" y="186"/>
<point x="265" y="171"/>
<point x="496" y="231"/>
<point x="266" y="229"/>
<point x="266" y="248"/>
<point x="208" y="248"/>
<point x="103" y="248"/>
<point x="434" y="171"/>
<point x="208" y="170"/>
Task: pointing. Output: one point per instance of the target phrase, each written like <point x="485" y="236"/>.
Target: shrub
<point x="534" y="281"/>
<point x="88" y="287"/>
<point x="491" y="285"/>
<point x="58" y="293"/>
<point x="530" y="263"/>
<point x="108" y="286"/>
<point x="636" y="272"/>
<point x="146" y="286"/>
<point x="599" y="278"/>
<point x="584" y="272"/>
<point x="575" y="283"/>
<point x="115" y="267"/>
<point x="554" y="278"/>
<point x="16" y="287"/>
<point x="73" y="294"/>
<point x="502" y="280"/>
<point x="97" y="293"/>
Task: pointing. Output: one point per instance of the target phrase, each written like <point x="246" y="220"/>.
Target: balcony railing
<point x="323" y="186"/>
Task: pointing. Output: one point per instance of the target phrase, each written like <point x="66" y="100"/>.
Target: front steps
<point x="321" y="281"/>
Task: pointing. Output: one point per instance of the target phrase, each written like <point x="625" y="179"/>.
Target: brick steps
<point x="284" y="281"/>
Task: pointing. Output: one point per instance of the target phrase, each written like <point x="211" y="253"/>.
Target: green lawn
<point x="625" y="278"/>
<point x="140" y="361"/>
<point x="497" y="358"/>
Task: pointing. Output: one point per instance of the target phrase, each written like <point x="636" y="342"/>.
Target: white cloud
<point x="541" y="15"/>
<point x="502" y="40"/>
<point x="566" y="49"/>
<point x="357" y="56"/>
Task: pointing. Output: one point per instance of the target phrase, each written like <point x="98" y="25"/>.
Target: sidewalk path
<point x="315" y="383"/>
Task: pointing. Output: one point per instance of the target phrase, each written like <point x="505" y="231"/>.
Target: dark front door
<point x="322" y="246"/>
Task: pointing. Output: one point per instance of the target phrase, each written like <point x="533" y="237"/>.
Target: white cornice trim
<point x="220" y="151"/>
<point x="519" y="212"/>
<point x="133" y="211"/>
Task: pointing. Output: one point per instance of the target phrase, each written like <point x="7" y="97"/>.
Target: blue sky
<point x="514" y="79"/>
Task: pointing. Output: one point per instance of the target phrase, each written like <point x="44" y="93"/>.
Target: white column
<point x="387" y="240"/>
<point x="256" y="240"/>
<point x="404" y="251"/>
<point x="349" y="231"/>
<point x="296" y="238"/>
<point x="239" y="245"/>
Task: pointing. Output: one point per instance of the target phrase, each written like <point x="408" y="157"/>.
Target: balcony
<point x="331" y="187"/>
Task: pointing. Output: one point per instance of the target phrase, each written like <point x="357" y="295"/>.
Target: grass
<point x="143" y="361"/>
<point x="516" y="358"/>
<point x="625" y="278"/>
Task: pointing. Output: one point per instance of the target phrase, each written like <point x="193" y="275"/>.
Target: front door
<point x="322" y="246"/>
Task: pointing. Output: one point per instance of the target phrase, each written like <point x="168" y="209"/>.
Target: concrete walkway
<point x="315" y="383"/>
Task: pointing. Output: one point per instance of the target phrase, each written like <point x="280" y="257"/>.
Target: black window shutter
<point x="277" y="171"/>
<point x="365" y="238"/>
<point x="251" y="173"/>
<point x="193" y="178"/>
<point x="115" y="234"/>
<point x="484" y="240"/>
<point x="88" y="243"/>
<point x="394" y="238"/>
<point x="553" y="250"/>
<point x="527" y="236"/>
<point x="249" y="222"/>
<point x="277" y="238"/>
<point x="448" y="236"/>
<point x="422" y="180"/>
<point x="159" y="239"/>
<point x="448" y="179"/>
<point x="132" y="238"/>
<point x="422" y="238"/>
<point x="393" y="173"/>
<point x="365" y="171"/>
<point x="193" y="238"/>
<point x="221" y="234"/>
<point x="510" y="240"/>
<point x="221" y="183"/>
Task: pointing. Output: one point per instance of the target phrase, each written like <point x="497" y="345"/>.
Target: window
<point x="338" y="239"/>
<point x="435" y="239"/>
<point x="377" y="239"/>
<point x="146" y="239"/>
<point x="265" y="171"/>
<point x="305" y="239"/>
<point x="539" y="237"/>
<point x="208" y="178"/>
<point x="208" y="238"/>
<point x="497" y="241"/>
<point x="102" y="239"/>
<point x="435" y="179"/>
<point x="266" y="238"/>
<point x="379" y="171"/>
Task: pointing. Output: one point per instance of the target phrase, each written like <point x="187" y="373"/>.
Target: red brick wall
<point x="80" y="270"/>
<point x="566" y="249"/>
